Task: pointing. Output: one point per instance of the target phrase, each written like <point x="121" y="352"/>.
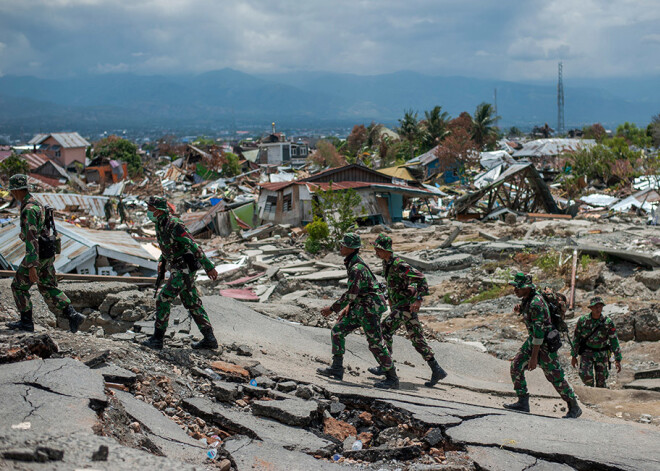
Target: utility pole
<point x="560" y="101"/>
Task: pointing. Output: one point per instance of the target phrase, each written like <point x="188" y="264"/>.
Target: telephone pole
<point x="560" y="101"/>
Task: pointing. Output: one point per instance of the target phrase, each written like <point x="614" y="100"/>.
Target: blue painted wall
<point x="396" y="207"/>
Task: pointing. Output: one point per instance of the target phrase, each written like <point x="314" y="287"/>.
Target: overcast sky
<point x="505" y="39"/>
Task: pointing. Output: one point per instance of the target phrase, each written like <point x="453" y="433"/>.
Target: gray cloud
<point x="511" y="39"/>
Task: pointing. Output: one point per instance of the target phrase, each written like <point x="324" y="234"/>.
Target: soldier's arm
<point x="355" y="278"/>
<point x="182" y="236"/>
<point x="31" y="236"/>
<point x="614" y="340"/>
<point x="576" y="338"/>
<point x="415" y="279"/>
<point x="537" y="317"/>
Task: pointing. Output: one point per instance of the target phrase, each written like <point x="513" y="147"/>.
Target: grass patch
<point x="549" y="261"/>
<point x="495" y="291"/>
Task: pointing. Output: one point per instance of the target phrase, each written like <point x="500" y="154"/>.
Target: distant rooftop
<point x="65" y="139"/>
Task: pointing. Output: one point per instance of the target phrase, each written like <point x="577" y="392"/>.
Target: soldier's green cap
<point x="351" y="240"/>
<point x="596" y="300"/>
<point x="521" y="281"/>
<point x="158" y="202"/>
<point x="18" y="182"/>
<point x="383" y="242"/>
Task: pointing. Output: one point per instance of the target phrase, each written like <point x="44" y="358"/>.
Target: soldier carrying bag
<point x="49" y="244"/>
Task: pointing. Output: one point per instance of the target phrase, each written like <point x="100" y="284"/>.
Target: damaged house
<point x="65" y="148"/>
<point x="382" y="201"/>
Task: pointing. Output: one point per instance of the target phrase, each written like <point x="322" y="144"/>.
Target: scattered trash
<point x="212" y="454"/>
<point x="336" y="457"/>
<point x="253" y="382"/>
<point x="357" y="445"/>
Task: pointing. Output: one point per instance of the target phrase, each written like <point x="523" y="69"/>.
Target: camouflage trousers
<point x="180" y="284"/>
<point x="56" y="300"/>
<point x="593" y="365"/>
<point x="368" y="318"/>
<point x="549" y="363"/>
<point x="414" y="328"/>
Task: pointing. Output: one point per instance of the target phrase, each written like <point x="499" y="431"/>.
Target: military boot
<point x="522" y="405"/>
<point x="209" y="341"/>
<point x="574" y="410"/>
<point x="26" y="323"/>
<point x="391" y="380"/>
<point x="336" y="370"/>
<point x="376" y="370"/>
<point x="437" y="373"/>
<point x="75" y="318"/>
<point x="156" y="340"/>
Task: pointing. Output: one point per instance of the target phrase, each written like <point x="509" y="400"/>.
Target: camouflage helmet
<point x="18" y="182"/>
<point x="351" y="241"/>
<point x="383" y="242"/>
<point x="596" y="300"/>
<point x="521" y="281"/>
<point x="158" y="202"/>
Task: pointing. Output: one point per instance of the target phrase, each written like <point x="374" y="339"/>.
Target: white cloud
<point x="110" y="68"/>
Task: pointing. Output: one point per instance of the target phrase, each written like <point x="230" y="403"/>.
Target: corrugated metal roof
<point x="346" y="185"/>
<point x="552" y="146"/>
<point x="400" y="172"/>
<point x="78" y="246"/>
<point x="65" y="139"/>
<point x="92" y="205"/>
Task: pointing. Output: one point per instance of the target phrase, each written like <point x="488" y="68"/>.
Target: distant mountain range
<point x="228" y="99"/>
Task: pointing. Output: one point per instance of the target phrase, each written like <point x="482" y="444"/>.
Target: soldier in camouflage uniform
<point x="107" y="208"/>
<point x="594" y="338"/>
<point x="361" y="306"/>
<point x="534" y="351"/>
<point x="121" y="210"/>
<point x="406" y="286"/>
<point x="33" y="269"/>
<point x="183" y="256"/>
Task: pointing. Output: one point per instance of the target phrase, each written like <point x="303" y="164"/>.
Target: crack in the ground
<point x="44" y="388"/>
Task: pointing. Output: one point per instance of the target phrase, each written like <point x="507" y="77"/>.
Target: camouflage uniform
<point x="537" y="320"/>
<point x="121" y="210"/>
<point x="32" y="226"/>
<point x="365" y="308"/>
<point x="107" y="208"/>
<point x="405" y="285"/>
<point x="176" y="242"/>
<point x="594" y="360"/>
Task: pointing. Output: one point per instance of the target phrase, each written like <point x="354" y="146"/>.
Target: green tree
<point x="484" y="131"/>
<point x="204" y="141"/>
<point x="653" y="130"/>
<point x="231" y="167"/>
<point x="595" y="131"/>
<point x="13" y="165"/>
<point x="116" y="148"/>
<point x="634" y="135"/>
<point x="435" y="128"/>
<point x="409" y="130"/>
<point x="514" y="132"/>
<point x="339" y="208"/>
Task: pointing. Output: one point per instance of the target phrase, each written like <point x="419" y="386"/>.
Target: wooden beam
<point x="77" y="277"/>
<point x="549" y="216"/>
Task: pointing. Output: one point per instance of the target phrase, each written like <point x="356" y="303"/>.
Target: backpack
<point x="557" y="305"/>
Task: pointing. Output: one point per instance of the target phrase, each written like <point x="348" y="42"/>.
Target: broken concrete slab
<point x="254" y="454"/>
<point x="224" y="391"/>
<point x="230" y="369"/>
<point x="497" y="459"/>
<point x="296" y="412"/>
<point x="115" y="374"/>
<point x="323" y="275"/>
<point x="46" y="392"/>
<point x="259" y="428"/>
<point x="172" y="441"/>
<point x="653" y="373"/>
<point x="647" y="260"/>
<point x="564" y="442"/>
<point x="648" y="384"/>
<point x="445" y="263"/>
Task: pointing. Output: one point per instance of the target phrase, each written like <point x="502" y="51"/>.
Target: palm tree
<point x="484" y="131"/>
<point x="409" y="129"/>
<point x="435" y="128"/>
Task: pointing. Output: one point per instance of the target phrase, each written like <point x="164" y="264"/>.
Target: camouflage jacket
<point x="362" y="286"/>
<point x="175" y="241"/>
<point x="405" y="284"/>
<point x="605" y="336"/>
<point x="32" y="226"/>
<point x="536" y="316"/>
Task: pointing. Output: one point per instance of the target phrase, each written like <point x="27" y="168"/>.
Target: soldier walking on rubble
<point x="184" y="257"/>
<point x="360" y="306"/>
<point x="406" y="286"/>
<point x="107" y="208"/>
<point x="121" y="210"/>
<point x="534" y="351"/>
<point x="37" y="266"/>
<point x="594" y="338"/>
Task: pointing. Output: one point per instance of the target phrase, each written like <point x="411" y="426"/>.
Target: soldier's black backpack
<point x="557" y="305"/>
<point x="49" y="243"/>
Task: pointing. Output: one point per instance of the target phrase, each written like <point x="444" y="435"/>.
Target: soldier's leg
<point x="340" y="330"/>
<point x="389" y="327"/>
<point x="586" y="370"/>
<point x="20" y="288"/>
<point x="370" y="320"/>
<point x="601" y="372"/>
<point x="54" y="297"/>
<point x="167" y="294"/>
<point x="193" y="302"/>
<point x="549" y="363"/>
<point x="416" y="335"/>
<point x="518" y="368"/>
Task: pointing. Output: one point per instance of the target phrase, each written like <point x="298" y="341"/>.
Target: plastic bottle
<point x="253" y="382"/>
<point x="336" y="457"/>
<point x="357" y="445"/>
<point x="212" y="453"/>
